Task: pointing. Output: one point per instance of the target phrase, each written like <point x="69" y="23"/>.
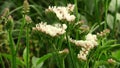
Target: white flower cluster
<point x="87" y="45"/>
<point x="50" y="29"/>
<point x="63" y="13"/>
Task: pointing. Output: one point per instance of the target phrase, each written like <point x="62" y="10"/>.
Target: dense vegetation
<point x="59" y="34"/>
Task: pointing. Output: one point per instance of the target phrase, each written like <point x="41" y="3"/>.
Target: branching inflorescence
<point x="50" y="29"/>
<point x="63" y="13"/>
<point x="89" y="43"/>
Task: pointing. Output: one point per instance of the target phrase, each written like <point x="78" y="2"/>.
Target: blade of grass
<point x="76" y="10"/>
<point x="9" y="57"/>
<point x="115" y="19"/>
<point x="20" y="34"/>
<point x="76" y="14"/>
<point x="58" y="57"/>
<point x="27" y="44"/>
<point x="1" y="61"/>
<point x="12" y="49"/>
<point x="106" y="10"/>
<point x="70" y="48"/>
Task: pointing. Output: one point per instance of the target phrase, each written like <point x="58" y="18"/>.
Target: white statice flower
<point x="70" y="7"/>
<point x="50" y="29"/>
<point x="82" y="55"/>
<point x="63" y="13"/>
<point x="64" y="26"/>
<point x="84" y="43"/>
<point x="89" y="43"/>
<point x="84" y="51"/>
<point x="77" y="42"/>
<point x="92" y="38"/>
<point x="80" y="43"/>
<point x="70" y="17"/>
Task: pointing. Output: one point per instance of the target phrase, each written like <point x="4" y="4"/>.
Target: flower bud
<point x="9" y="24"/>
<point x="28" y="19"/>
<point x="5" y="12"/>
<point x="10" y="18"/>
<point x="103" y="33"/>
<point x="65" y="51"/>
<point x="111" y="61"/>
<point x="84" y="27"/>
<point x="26" y="7"/>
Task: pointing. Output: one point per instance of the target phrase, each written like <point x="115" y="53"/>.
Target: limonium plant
<point x="58" y="36"/>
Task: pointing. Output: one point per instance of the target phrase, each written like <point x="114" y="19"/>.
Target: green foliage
<point x="25" y="56"/>
<point x="116" y="54"/>
<point x="22" y="47"/>
<point x="34" y="63"/>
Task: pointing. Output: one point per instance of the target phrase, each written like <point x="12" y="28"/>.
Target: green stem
<point x="18" y="8"/>
<point x="12" y="49"/>
<point x="96" y="8"/>
<point x="70" y="49"/>
<point x="58" y="57"/>
<point x="77" y="17"/>
<point x="106" y="10"/>
<point x="76" y="10"/>
<point x="1" y="60"/>
<point x="27" y="44"/>
<point x="63" y="63"/>
<point x="95" y="27"/>
<point x="115" y="20"/>
<point x="60" y="45"/>
<point x="20" y="34"/>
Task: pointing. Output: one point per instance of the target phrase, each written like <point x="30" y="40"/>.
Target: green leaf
<point x="38" y="62"/>
<point x="112" y="5"/>
<point x="109" y="42"/>
<point x="90" y="5"/>
<point x="18" y="61"/>
<point x="116" y="54"/>
<point x="25" y="55"/>
<point x="110" y="21"/>
<point x="101" y="63"/>
<point x="43" y="58"/>
<point x="118" y="22"/>
<point x="107" y="47"/>
<point x="34" y="62"/>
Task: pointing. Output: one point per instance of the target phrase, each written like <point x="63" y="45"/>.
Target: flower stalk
<point x="12" y="46"/>
<point x="27" y="45"/>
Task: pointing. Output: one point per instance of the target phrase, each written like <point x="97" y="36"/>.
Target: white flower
<point x="84" y="51"/>
<point x="80" y="43"/>
<point x="49" y="29"/>
<point x="64" y="26"/>
<point x="63" y="12"/>
<point x="70" y="7"/>
<point x="87" y="45"/>
<point x="70" y="17"/>
<point x="91" y="37"/>
<point x="82" y="55"/>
